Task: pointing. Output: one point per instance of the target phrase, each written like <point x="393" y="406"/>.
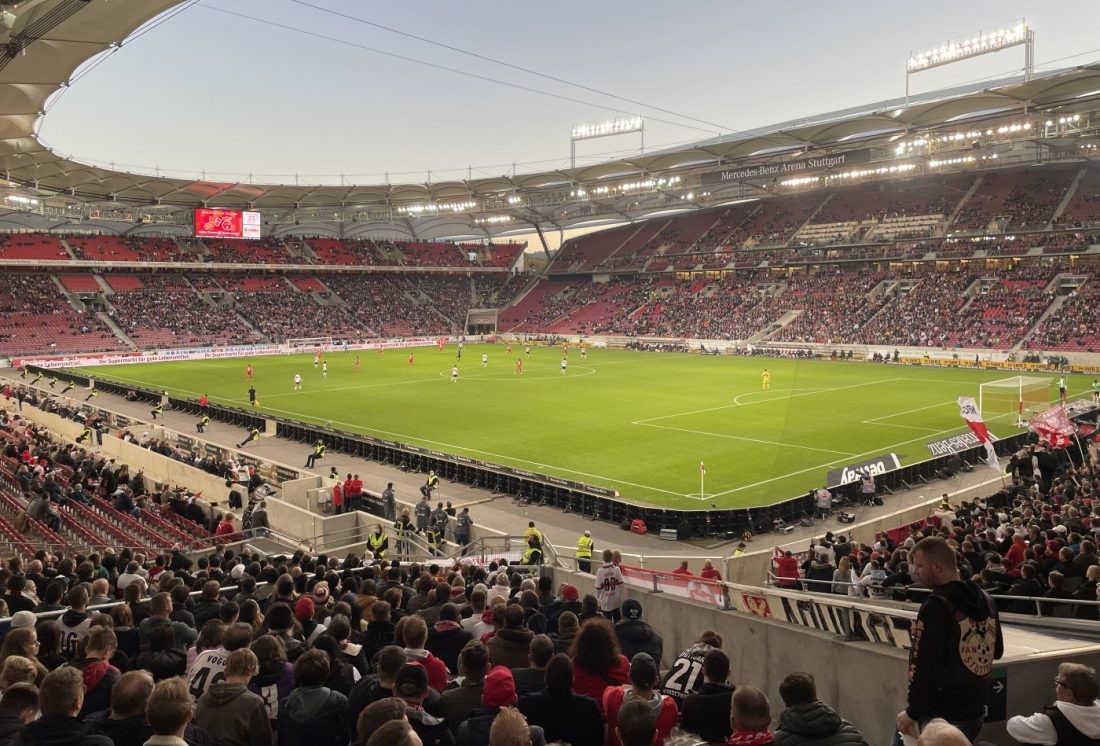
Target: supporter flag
<point x="1053" y="426"/>
<point x="1085" y="430"/>
<point x="968" y="409"/>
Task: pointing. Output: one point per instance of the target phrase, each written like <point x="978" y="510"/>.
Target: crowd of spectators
<point x="167" y="313"/>
<point x="39" y="319"/>
<point x="1073" y="327"/>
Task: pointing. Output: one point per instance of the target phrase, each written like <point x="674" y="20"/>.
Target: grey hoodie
<point x="233" y="716"/>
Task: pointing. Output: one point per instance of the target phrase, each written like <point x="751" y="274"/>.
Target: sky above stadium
<point x="320" y="89"/>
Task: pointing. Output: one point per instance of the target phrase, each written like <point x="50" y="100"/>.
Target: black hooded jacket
<point x="956" y="639"/>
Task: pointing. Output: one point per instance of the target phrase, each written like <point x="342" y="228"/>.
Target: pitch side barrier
<point x="593" y="501"/>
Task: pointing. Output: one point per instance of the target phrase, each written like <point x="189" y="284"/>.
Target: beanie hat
<point x="631" y="609"/>
<point x="279" y="617"/>
<point x="321" y="592"/>
<point x="643" y="670"/>
<point x="499" y="689"/>
<point x="411" y="680"/>
<point x="23" y="619"/>
<point x="304" y="609"/>
<point x="569" y="593"/>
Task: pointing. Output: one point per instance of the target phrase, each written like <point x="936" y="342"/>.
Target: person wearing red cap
<point x="499" y="691"/>
<point x="570" y="601"/>
<point x="304" y="609"/>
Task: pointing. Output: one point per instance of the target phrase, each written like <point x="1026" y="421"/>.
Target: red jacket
<point x="224" y="528"/>
<point x="437" y="669"/>
<point x="337" y="496"/>
<point x="593" y="685"/>
<point x="710" y="573"/>
<point x="786" y="570"/>
<point x="667" y="718"/>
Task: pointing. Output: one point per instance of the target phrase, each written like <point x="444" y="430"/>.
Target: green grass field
<point x="636" y="422"/>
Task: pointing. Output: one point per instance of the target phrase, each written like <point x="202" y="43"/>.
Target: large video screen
<point x="213" y="223"/>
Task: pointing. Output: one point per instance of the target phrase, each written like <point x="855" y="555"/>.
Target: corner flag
<point x="968" y="410"/>
<point x="702" y="469"/>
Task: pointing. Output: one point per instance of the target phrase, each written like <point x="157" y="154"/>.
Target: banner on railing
<point x="826" y="613"/>
<point x="710" y="592"/>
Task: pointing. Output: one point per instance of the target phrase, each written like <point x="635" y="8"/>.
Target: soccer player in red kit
<point x="248" y="372"/>
<point x="410" y="359"/>
<point x="519" y="366"/>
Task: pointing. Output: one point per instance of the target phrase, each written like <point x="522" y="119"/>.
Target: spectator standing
<point x="389" y="502"/>
<point x="807" y="720"/>
<point x="585" y="545"/>
<point x="232" y="715"/>
<point x="960" y="638"/>
<point x="1073" y="718"/>
<point x="609" y="581"/>
<point x="463" y="524"/>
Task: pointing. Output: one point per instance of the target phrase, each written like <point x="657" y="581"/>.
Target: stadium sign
<point x="854" y="472"/>
<point x="954" y="444"/>
<point x="789" y="168"/>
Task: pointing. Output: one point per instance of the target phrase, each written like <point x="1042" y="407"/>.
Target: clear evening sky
<point x="209" y="90"/>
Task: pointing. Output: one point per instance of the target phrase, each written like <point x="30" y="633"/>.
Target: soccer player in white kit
<point x="324" y="369"/>
<point x="297" y="381"/>
<point x="454" y="374"/>
<point x="564" y="364"/>
<point x="484" y="361"/>
<point x="316" y="359"/>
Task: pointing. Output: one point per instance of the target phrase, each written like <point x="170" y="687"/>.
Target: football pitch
<point x="641" y="423"/>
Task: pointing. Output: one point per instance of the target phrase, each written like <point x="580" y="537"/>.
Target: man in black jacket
<point x="563" y="714"/>
<point x="958" y="637"/>
<point x="706" y="712"/>
<point x="636" y="636"/>
<point x="60" y="700"/>
<point x="809" y="720"/>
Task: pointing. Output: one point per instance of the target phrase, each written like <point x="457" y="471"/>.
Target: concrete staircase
<point x="110" y="323"/>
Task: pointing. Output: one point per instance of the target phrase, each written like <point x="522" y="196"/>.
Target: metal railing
<point x="1040" y="602"/>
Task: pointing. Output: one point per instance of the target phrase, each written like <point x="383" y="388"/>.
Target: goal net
<point x="304" y="344"/>
<point x="1014" y="399"/>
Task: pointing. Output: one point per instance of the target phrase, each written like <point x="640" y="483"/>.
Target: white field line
<point x="456" y="448"/>
<point x="741" y="437"/>
<point x="808" y="392"/>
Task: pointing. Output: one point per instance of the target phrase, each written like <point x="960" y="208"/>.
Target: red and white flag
<point x="1053" y="426"/>
<point x="702" y="469"/>
<point x="968" y="410"/>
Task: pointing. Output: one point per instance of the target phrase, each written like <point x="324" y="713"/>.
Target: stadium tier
<point x="992" y="260"/>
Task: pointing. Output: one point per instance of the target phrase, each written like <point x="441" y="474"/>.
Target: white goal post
<point x="308" y="344"/>
<point x="1018" y="397"/>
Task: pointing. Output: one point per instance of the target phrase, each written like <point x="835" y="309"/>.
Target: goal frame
<point x="1018" y="385"/>
<point x="308" y="344"/>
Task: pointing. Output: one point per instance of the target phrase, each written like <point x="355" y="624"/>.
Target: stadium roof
<point x="51" y="40"/>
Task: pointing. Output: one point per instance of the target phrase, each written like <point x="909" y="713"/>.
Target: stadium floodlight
<point x="609" y="128"/>
<point x="983" y="42"/>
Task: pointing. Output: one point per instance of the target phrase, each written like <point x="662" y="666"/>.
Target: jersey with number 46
<point x="207" y="670"/>
<point x="686" y="674"/>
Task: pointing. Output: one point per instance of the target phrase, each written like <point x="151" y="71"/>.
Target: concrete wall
<point x="865" y="682"/>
